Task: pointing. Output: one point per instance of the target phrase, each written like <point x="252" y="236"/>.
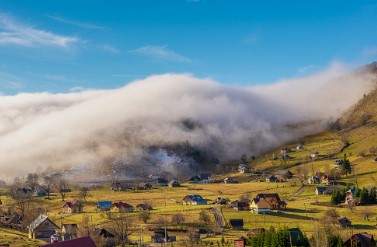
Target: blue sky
<point x="66" y="45"/>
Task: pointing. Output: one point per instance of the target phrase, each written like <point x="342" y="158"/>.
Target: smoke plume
<point x="168" y="123"/>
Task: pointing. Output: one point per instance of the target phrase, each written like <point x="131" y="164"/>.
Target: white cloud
<point x="95" y="127"/>
<point x="15" y="33"/>
<point x="80" y="24"/>
<point x="161" y="53"/>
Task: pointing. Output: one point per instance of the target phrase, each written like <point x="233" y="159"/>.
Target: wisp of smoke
<point x="139" y="125"/>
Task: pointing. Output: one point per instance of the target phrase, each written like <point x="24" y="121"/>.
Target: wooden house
<point x="124" y="207"/>
<point x="240" y="205"/>
<point x="144" y="207"/>
<point x="360" y="240"/>
<point x="265" y="202"/>
<point x="74" y="206"/>
<point x="42" y="228"/>
<point x="194" y="200"/>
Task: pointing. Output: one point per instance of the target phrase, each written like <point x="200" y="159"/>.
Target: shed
<point x="236" y="223"/>
<point x="42" y="228"/>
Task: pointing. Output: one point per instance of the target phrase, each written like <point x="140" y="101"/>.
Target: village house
<point x="222" y="200"/>
<point x="300" y="147"/>
<point x="240" y="205"/>
<point x="107" y="237"/>
<point x="69" y="231"/>
<point x="160" y="235"/>
<point x="276" y="179"/>
<point x="314" y="180"/>
<point x="243" y="168"/>
<point x="194" y="200"/>
<point x="344" y="222"/>
<point x="236" y="223"/>
<point x="122" y="186"/>
<point x="83" y="241"/>
<point x="42" y="228"/>
<point x="265" y="202"/>
<point x="124" y="207"/>
<point x="174" y="183"/>
<point x="144" y="207"/>
<point x="286" y="174"/>
<point x="104" y="205"/>
<point x="74" y="206"/>
<point x="360" y="240"/>
<point x="319" y="190"/>
<point x="40" y="191"/>
<point x="144" y="186"/>
<point x="230" y="180"/>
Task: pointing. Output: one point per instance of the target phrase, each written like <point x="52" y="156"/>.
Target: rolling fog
<point x="97" y="128"/>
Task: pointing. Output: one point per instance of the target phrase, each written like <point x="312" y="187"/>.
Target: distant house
<point x="144" y="186"/>
<point x="314" y="156"/>
<point x="243" y="168"/>
<point x="271" y="179"/>
<point x="241" y="205"/>
<point x="144" y="207"/>
<point x="74" y="206"/>
<point x="162" y="182"/>
<point x="174" y="183"/>
<point x="236" y="223"/>
<point x="106" y="236"/>
<point x="194" y="200"/>
<point x="319" y="190"/>
<point x="286" y="174"/>
<point x="360" y="240"/>
<point x="300" y="147"/>
<point x="124" y="207"/>
<point x="40" y="191"/>
<point x="122" y="186"/>
<point x="265" y="202"/>
<point x="69" y="231"/>
<point x="78" y="242"/>
<point x="160" y="235"/>
<point x="222" y="200"/>
<point x="230" y="180"/>
<point x="314" y="180"/>
<point x="276" y="179"/>
<point x="104" y="205"/>
<point x="344" y="222"/>
<point x="42" y="228"/>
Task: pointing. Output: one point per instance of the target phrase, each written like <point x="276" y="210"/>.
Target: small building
<point x="265" y="202"/>
<point x="40" y="191"/>
<point x="344" y="222"/>
<point x="174" y="183"/>
<point x="144" y="186"/>
<point x="286" y="174"/>
<point x="271" y="179"/>
<point x="236" y="223"/>
<point x="230" y="180"/>
<point x="276" y="179"/>
<point x="222" y="200"/>
<point x="239" y="242"/>
<point x="122" y="186"/>
<point x="162" y="181"/>
<point x="360" y="240"/>
<point x="160" y="235"/>
<point x="104" y="205"/>
<point x="194" y="200"/>
<point x="69" y="231"/>
<point x="124" y="207"/>
<point x="320" y="190"/>
<point x="243" y="168"/>
<point x="78" y="242"/>
<point x="314" y="180"/>
<point x="144" y="207"/>
<point x="241" y="205"/>
<point x="296" y="237"/>
<point x="299" y="146"/>
<point x="42" y="228"/>
<point x="74" y="206"/>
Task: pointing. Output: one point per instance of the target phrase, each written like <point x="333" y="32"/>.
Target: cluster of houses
<point x="279" y="176"/>
<point x="122" y="207"/>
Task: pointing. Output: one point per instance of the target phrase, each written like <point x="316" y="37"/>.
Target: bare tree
<point x="144" y="216"/>
<point x="32" y="180"/>
<point x="121" y="228"/>
<point x="84" y="192"/>
<point x="204" y="217"/>
<point x="178" y="219"/>
<point x="49" y="182"/>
